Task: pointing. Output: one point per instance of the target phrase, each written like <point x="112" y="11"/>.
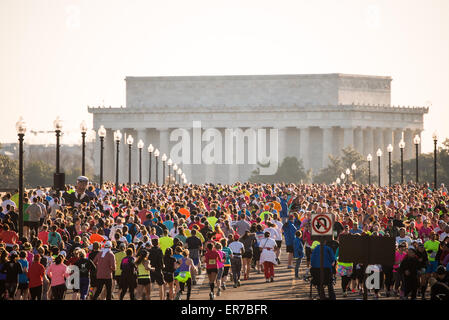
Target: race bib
<point x="212" y="261"/>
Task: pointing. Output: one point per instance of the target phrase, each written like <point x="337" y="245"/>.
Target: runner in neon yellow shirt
<point x="165" y="241"/>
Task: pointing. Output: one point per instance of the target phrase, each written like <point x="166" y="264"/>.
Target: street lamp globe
<point x="156" y="153"/>
<point x="57" y="124"/>
<point x="164" y="157"/>
<point x="117" y="135"/>
<point x="175" y="168"/>
<point x="102" y="131"/>
<point x="183" y="176"/>
<point x="150" y="148"/>
<point x="342" y="176"/>
<point x="379" y="152"/>
<point x="130" y="140"/>
<point x="348" y="172"/>
<point x="169" y="162"/>
<point x="338" y="181"/>
<point x="402" y="144"/>
<point x="369" y="157"/>
<point x="83" y="126"/>
<point x="353" y="167"/>
<point x="434" y="136"/>
<point x="140" y="144"/>
<point x="390" y="148"/>
<point x="21" y="126"/>
<point x="417" y="139"/>
<point x="179" y="171"/>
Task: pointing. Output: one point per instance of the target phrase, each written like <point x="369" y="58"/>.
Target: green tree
<point x="38" y="173"/>
<point x="9" y="172"/>
<point x="339" y="165"/>
<point x="290" y="171"/>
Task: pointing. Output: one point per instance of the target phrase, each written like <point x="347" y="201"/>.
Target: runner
<point x="211" y="259"/>
<point x="268" y="257"/>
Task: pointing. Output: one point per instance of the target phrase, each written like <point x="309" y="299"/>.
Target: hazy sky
<point x="58" y="56"/>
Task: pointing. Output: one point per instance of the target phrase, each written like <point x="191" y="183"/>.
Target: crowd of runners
<point x="145" y="238"/>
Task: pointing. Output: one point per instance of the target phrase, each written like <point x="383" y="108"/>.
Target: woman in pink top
<point x="220" y="267"/>
<point x="58" y="272"/>
<point x="399" y="256"/>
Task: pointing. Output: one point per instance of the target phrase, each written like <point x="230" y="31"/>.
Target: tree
<point x="9" y="172"/>
<point x="339" y="165"/>
<point x="290" y="171"/>
<point x="38" y="173"/>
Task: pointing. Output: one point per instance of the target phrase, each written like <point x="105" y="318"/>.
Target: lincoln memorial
<point x="315" y="115"/>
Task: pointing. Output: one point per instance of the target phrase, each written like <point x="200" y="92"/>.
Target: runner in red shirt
<point x="36" y="275"/>
<point x="9" y="237"/>
<point x="211" y="258"/>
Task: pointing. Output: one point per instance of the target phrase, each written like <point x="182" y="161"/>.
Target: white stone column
<point x="304" y="146"/>
<point x="163" y="148"/>
<point x="282" y="135"/>
<point x="327" y="144"/>
<point x="141" y="134"/>
<point x="368" y="137"/>
<point x="397" y="136"/>
<point x="109" y="156"/>
<point x="348" y="137"/>
<point x="409" y="145"/>
<point x="358" y="140"/>
<point x="379" y="143"/>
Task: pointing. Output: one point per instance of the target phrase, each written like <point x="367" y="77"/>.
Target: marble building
<point x="316" y="115"/>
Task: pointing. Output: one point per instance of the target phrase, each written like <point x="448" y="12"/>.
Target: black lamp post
<point x="83" y="127"/>
<point x="354" y="169"/>
<point x="175" y="171"/>
<point x="129" y="141"/>
<point x="369" y="158"/>
<point x="379" y="154"/>
<point x="58" y="179"/>
<point x="156" y="156"/>
<point x="183" y="178"/>
<point x="179" y="175"/>
<point x="150" y="151"/>
<point x="140" y="145"/>
<point x="417" y="140"/>
<point x="117" y="138"/>
<point x="169" y="164"/>
<point x="390" y="150"/>
<point x="21" y="129"/>
<point x="435" y="151"/>
<point x="101" y="134"/>
<point x="401" y="147"/>
<point x="164" y="159"/>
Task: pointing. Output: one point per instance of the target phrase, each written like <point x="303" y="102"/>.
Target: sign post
<point x="322" y="225"/>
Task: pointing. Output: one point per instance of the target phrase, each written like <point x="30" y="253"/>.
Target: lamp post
<point x="58" y="127"/>
<point x="390" y="150"/>
<point x="417" y="140"/>
<point x="183" y="178"/>
<point x="83" y="128"/>
<point x="401" y="147"/>
<point x="169" y="164"/>
<point x="348" y="172"/>
<point x="369" y="158"/>
<point x="129" y="141"/>
<point x="175" y="171"/>
<point x="435" y="150"/>
<point x="21" y="129"/>
<point x="150" y="151"/>
<point x="342" y="176"/>
<point x="179" y="175"/>
<point x="117" y="138"/>
<point x="156" y="156"/>
<point x="58" y="178"/>
<point x="164" y="160"/>
<point x="101" y="134"/>
<point x="354" y="169"/>
<point x="140" y="145"/>
<point x="379" y="154"/>
<point x="338" y="181"/>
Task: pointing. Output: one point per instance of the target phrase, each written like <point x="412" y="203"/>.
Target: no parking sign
<point x="322" y="224"/>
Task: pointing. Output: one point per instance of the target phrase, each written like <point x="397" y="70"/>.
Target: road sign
<point x="322" y="224"/>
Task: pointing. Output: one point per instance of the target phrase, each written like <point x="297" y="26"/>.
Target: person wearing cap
<point x="78" y="197"/>
<point x="409" y="271"/>
<point x="106" y="264"/>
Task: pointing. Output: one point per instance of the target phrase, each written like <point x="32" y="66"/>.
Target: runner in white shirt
<point x="8" y="201"/>
<point x="268" y="257"/>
